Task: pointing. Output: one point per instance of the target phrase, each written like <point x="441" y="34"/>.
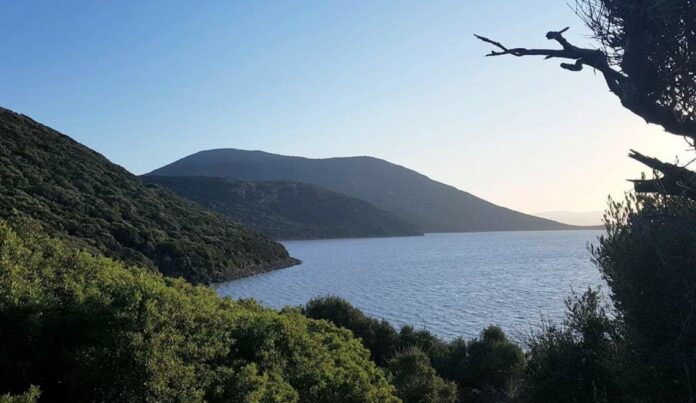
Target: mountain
<point x="433" y="206"/>
<point x="587" y="218"/>
<point x="288" y="210"/>
<point x="77" y="194"/>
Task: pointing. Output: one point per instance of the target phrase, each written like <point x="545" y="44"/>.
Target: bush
<point x="30" y="396"/>
<point x="378" y="336"/>
<point x="86" y="328"/>
<point x="493" y="367"/>
<point x="416" y="380"/>
<point x="577" y="361"/>
<point x="486" y="369"/>
<point x="648" y="258"/>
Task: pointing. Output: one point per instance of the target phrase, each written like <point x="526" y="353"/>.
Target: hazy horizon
<point x="146" y="84"/>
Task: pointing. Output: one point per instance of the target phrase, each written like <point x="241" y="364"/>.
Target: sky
<point x="148" y="82"/>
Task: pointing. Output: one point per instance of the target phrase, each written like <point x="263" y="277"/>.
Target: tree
<point x="648" y="258"/>
<point x="576" y="361"/>
<point x="86" y="328"/>
<point x="647" y="56"/>
<point x="416" y="381"/>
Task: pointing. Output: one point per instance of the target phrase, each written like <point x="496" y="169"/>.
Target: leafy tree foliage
<point x="82" y="197"/>
<point x="494" y="366"/>
<point x="416" y="381"/>
<point x="577" y="361"/>
<point x="648" y="258"/>
<point x="30" y="396"/>
<point x="86" y="328"/>
<point x="378" y="336"/>
<point x="652" y="43"/>
<point x="486" y="369"/>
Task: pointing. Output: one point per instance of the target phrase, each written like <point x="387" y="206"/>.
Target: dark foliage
<point x="578" y="361"/>
<point x="287" y="210"/>
<point x="81" y="196"/>
<point x="416" y="381"/>
<point x="652" y="43"/>
<point x="86" y="328"/>
<point x="432" y="206"/>
<point x="485" y="369"/>
<point x="648" y="258"/>
<point x="378" y="336"/>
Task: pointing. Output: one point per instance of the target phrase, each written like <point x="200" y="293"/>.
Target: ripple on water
<point x="452" y="284"/>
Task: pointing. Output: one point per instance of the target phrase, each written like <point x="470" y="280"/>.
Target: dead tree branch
<point x="675" y="180"/>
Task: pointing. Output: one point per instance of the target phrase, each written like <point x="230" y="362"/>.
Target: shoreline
<point x="254" y="270"/>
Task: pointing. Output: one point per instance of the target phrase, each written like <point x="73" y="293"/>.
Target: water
<point x="451" y="284"/>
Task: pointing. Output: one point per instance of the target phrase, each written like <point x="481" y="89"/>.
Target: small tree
<point x="576" y="361"/>
<point x="416" y="381"/>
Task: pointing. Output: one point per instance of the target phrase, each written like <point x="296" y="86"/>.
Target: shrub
<point x="578" y="360"/>
<point x="416" y="381"/>
<point x="86" y="328"/>
<point x="648" y="258"/>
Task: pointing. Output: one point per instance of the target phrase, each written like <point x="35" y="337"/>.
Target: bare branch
<point x="619" y="84"/>
<point x="675" y="180"/>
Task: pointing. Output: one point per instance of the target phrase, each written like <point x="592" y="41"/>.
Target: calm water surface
<point x="452" y="284"/>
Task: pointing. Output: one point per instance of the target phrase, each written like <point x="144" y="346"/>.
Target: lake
<point x="451" y="284"/>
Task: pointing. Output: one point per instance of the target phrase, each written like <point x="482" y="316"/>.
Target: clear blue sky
<point x="148" y="82"/>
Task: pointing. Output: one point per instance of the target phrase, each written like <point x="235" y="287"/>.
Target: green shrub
<point x="378" y="336"/>
<point x="416" y="381"/>
<point x="648" y="258"/>
<point x="30" y="396"/>
<point x="86" y="328"/>
<point x="493" y="367"/>
<point x="486" y="369"/>
<point x="577" y="361"/>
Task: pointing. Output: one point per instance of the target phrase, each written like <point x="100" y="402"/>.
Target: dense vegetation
<point x="86" y="328"/>
<point x="68" y="317"/>
<point x="78" y="327"/>
<point x="426" y="368"/>
<point x="649" y="260"/>
<point x="81" y="196"/>
<point x="431" y="205"/>
<point x="643" y="348"/>
<point x="287" y="210"/>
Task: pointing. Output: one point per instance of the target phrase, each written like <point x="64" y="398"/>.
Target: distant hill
<point x="433" y="206"/>
<point x="588" y="218"/>
<point x="288" y="210"/>
<point x="79" y="195"/>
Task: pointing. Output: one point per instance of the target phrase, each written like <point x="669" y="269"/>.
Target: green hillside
<point x="79" y="195"/>
<point x="83" y="328"/>
<point x="288" y="210"/>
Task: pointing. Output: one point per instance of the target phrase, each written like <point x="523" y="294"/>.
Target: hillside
<point x="79" y="195"/>
<point x="288" y="210"/>
<point x="433" y="206"/>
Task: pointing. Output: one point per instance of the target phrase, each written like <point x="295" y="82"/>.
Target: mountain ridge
<point x="432" y="205"/>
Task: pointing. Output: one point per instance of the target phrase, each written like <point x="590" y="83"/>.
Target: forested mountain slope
<point x="288" y="210"/>
<point x="433" y="206"/>
<point x="79" y="195"/>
